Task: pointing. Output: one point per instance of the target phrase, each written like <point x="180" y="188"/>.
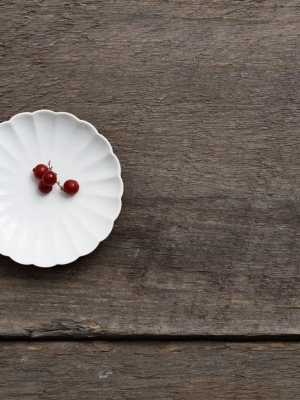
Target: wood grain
<point x="200" y="101"/>
<point x="152" y="370"/>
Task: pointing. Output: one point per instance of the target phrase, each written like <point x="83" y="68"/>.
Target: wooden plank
<point x="200" y="101"/>
<point x="153" y="370"/>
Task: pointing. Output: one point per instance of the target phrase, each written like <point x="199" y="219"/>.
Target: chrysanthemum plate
<point x="56" y="228"/>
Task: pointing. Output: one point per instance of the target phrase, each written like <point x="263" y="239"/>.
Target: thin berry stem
<point x="61" y="187"/>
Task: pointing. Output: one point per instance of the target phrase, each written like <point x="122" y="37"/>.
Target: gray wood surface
<point x="200" y="101"/>
<point x="167" y="371"/>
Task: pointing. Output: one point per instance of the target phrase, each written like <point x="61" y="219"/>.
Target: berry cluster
<point x="49" y="179"/>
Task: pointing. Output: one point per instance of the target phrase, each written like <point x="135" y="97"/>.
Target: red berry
<point x="49" y="178"/>
<point x="44" y="188"/>
<point x="71" y="186"/>
<point x="39" y="170"/>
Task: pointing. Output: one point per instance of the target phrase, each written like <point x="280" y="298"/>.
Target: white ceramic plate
<point x="56" y="228"/>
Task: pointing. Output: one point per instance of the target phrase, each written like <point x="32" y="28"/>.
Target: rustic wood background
<point x="200" y="101"/>
<point x="139" y="370"/>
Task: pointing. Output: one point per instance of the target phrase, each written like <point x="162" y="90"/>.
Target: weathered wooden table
<point x="196" y="293"/>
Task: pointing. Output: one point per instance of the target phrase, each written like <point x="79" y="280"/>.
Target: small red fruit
<point x="71" y="186"/>
<point x="49" y="178"/>
<point x="39" y="170"/>
<point x="44" y="188"/>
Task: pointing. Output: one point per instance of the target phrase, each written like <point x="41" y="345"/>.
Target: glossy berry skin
<point x="71" y="186"/>
<point x="49" y="178"/>
<point x="39" y="170"/>
<point x="44" y="188"/>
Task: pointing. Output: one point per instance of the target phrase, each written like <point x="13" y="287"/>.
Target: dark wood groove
<point x="156" y="338"/>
